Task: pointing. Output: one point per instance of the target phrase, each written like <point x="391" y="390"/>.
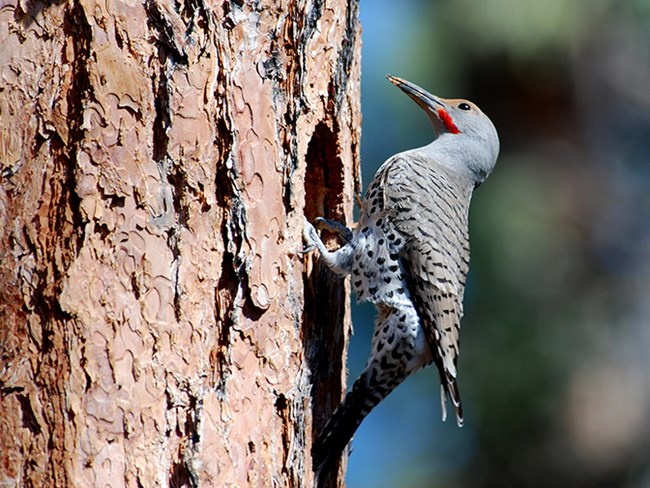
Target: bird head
<point x="466" y="139"/>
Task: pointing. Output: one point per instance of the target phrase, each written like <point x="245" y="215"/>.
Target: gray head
<point x="465" y="138"/>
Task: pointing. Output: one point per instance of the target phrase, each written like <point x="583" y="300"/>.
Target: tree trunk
<point x="158" y="326"/>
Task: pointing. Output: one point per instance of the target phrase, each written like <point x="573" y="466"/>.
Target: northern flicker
<point x="409" y="255"/>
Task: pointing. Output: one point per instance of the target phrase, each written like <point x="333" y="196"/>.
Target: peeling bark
<point x="157" y="325"/>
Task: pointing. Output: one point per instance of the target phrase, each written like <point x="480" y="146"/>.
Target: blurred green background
<point x="555" y="357"/>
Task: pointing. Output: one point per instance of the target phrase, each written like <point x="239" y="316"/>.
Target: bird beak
<point x="434" y="107"/>
<point x="422" y="97"/>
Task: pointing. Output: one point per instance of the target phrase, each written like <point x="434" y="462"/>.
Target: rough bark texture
<point x="157" y="325"/>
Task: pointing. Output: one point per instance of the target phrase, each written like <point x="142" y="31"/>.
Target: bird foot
<point x="335" y="227"/>
<point x="310" y="238"/>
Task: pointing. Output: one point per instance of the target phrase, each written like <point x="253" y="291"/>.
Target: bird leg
<point x="339" y="261"/>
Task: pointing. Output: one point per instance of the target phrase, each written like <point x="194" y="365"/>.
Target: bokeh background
<point x="555" y="357"/>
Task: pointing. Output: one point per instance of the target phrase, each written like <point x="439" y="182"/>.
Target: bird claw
<point x="306" y="250"/>
<point x="309" y="236"/>
<point x="335" y="227"/>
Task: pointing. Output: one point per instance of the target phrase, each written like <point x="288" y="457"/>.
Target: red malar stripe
<point x="446" y="119"/>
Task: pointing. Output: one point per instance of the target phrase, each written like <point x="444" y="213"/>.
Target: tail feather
<point x="340" y="428"/>
<point x="449" y="389"/>
<point x="357" y="404"/>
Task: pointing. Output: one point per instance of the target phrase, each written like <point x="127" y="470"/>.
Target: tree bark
<point x="158" y="326"/>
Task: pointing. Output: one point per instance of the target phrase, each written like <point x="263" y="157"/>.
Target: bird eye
<point x="464" y="106"/>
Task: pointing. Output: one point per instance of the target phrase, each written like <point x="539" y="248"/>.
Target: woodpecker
<point x="409" y="256"/>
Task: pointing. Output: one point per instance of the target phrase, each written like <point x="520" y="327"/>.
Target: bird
<point x="409" y="256"/>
